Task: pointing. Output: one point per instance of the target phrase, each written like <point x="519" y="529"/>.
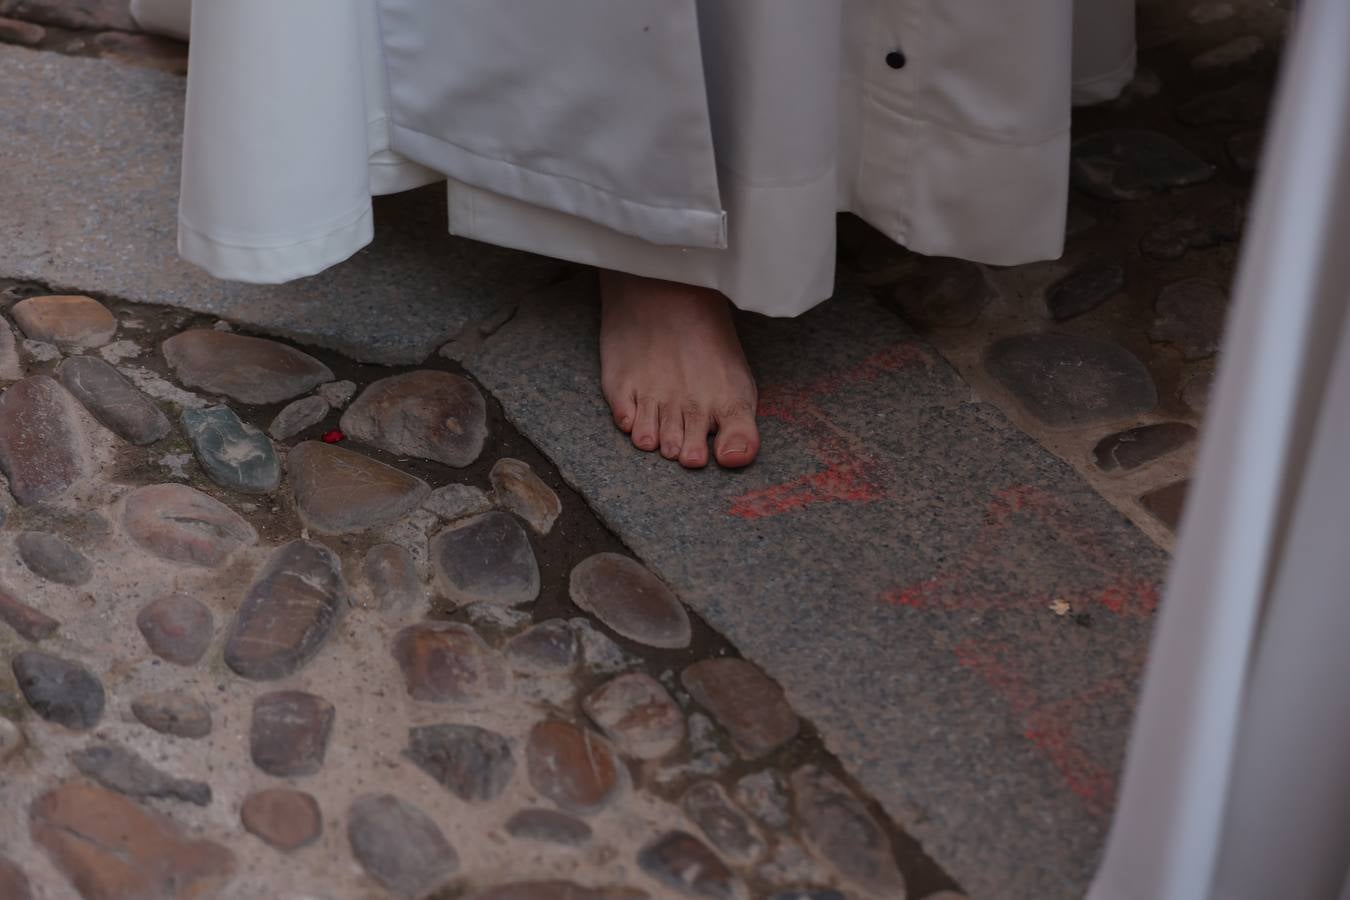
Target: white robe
<point x="701" y="141"/>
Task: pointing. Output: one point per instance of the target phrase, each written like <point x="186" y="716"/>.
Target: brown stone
<point x="557" y="890"/>
<point x="390" y="577"/>
<point x="518" y="489"/>
<point x="744" y="701"/>
<point x="638" y="715"/>
<point x="840" y="830"/>
<point x="177" y="628"/>
<point x="339" y="491"/>
<point x="399" y="845"/>
<point x="174" y="713"/>
<point x="43" y="449"/>
<point x="289" y="733"/>
<point x="574" y="767"/>
<point x="181" y="524"/>
<point x="485" y="559"/>
<point x="247" y="369"/>
<point x="285" y="819"/>
<point x="113" y="400"/>
<point x="550" y="646"/>
<point x="623" y="594"/>
<point x="67" y="321"/>
<point x="288" y="612"/>
<point x="726" y="827"/>
<point x="30" y="623"/>
<point x="13" y="883"/>
<point x="86" y="15"/>
<point x="1167" y="503"/>
<point x="148" y="50"/>
<point x="688" y="866"/>
<point x="429" y="414"/>
<point x="111" y="848"/>
<point x="940" y="292"/>
<point x="296" y="416"/>
<point x="1131" y="449"/>
<point x="27" y="34"/>
<point x="446" y="662"/>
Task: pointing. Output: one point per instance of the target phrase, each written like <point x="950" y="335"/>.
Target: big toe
<point x="737" y="441"/>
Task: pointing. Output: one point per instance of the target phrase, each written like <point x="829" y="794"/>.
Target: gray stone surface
<point x="399" y="845"/>
<point x="918" y="631"/>
<point x="112" y="399"/>
<point x="236" y="455"/>
<point x="473" y="763"/>
<point x="110" y="227"/>
<point x="122" y="770"/>
<point x="53" y="558"/>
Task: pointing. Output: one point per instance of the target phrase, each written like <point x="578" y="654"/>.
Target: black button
<point x="895" y="59"/>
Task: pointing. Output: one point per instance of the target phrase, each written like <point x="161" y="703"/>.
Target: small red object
<point x="332" y="437"/>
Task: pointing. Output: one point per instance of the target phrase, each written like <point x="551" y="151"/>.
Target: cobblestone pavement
<point x="455" y="706"/>
<point x="279" y="625"/>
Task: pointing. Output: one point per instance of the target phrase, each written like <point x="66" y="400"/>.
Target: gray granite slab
<point x="895" y="560"/>
<point x="90" y="188"/>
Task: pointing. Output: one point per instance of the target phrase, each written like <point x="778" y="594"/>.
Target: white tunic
<point x="702" y="141"/>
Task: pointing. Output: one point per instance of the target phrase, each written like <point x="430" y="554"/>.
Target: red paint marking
<point x="848" y="473"/>
<point x="1049" y="726"/>
<point x="332" y="437"/>
<point x="844" y="483"/>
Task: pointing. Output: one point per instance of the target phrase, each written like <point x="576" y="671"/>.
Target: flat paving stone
<point x="59" y="690"/>
<point x="942" y="292"/>
<point x="235" y="455"/>
<point x="726" y="827"/>
<point x="296" y="416"/>
<point x="557" y="890"/>
<point x="287" y="613"/>
<point x="32" y="624"/>
<point x="457" y="501"/>
<point x="548" y="826"/>
<point x="113" y="400"/>
<point x="573" y="767"/>
<point x="391" y="578"/>
<point x="449" y="663"/>
<point x="688" y="866"/>
<point x="43" y="450"/>
<point x="1126" y="164"/>
<point x="627" y="597"/>
<point x="839" y="829"/>
<point x="182" y="524"/>
<point x="399" y="845"/>
<point x="14" y="884"/>
<point x="1127" y="450"/>
<point x="473" y="763"/>
<point x="1084" y="289"/>
<point x="289" y="732"/>
<point x="53" y="558"/>
<point x="1167" y="503"/>
<point x="120" y="769"/>
<point x="428" y="414"/>
<point x="177" y="628"/>
<point x="518" y="489"/>
<point x="247" y="369"/>
<point x="550" y="646"/>
<point x="1066" y="380"/>
<point x="638" y="715"/>
<point x="174" y="713"/>
<point x="67" y="321"/>
<point x="744" y="701"/>
<point x="485" y="559"/>
<point x="112" y="848"/>
<point x="1191" y="315"/>
<point x="282" y="818"/>
<point x="340" y="491"/>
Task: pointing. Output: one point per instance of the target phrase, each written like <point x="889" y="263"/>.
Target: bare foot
<point x="673" y="371"/>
